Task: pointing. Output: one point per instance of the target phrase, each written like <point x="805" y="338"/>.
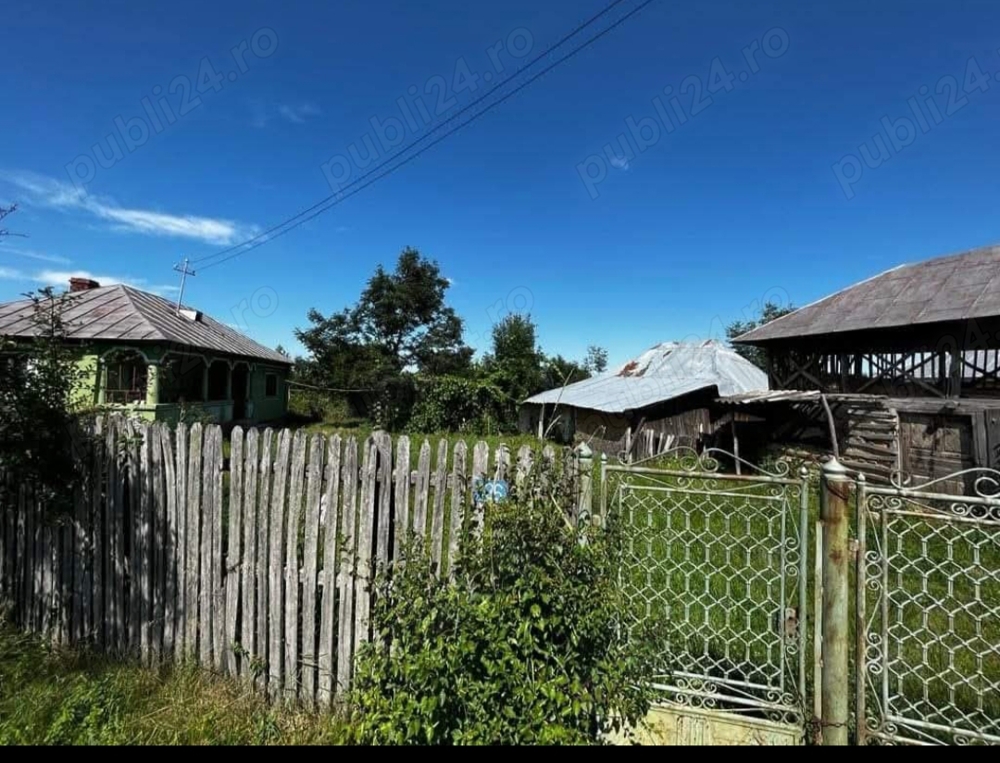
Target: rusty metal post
<point x="834" y="492"/>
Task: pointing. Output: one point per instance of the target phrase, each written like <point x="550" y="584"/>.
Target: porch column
<point x="204" y="381"/>
<point x="152" y="384"/>
<point x="102" y="382"/>
<point x="229" y="382"/>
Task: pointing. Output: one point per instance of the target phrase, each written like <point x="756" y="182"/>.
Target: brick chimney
<point x="83" y="284"/>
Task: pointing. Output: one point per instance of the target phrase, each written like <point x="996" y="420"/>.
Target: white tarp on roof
<point x="663" y="372"/>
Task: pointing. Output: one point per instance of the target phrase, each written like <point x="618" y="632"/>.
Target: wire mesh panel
<point x="720" y="561"/>
<point x="929" y="612"/>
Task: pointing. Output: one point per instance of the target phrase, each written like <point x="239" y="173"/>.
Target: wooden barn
<point x="663" y="398"/>
<point x="906" y="362"/>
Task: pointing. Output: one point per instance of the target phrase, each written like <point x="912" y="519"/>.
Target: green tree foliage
<point x="459" y="404"/>
<point x="399" y="326"/>
<point x="597" y="360"/>
<point x="560" y="372"/>
<point x="37" y="381"/>
<point x="514" y="363"/>
<point x="524" y="647"/>
<point x="756" y="355"/>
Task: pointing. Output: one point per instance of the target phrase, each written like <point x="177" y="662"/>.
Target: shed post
<point x="541" y="423"/>
<point x="736" y="443"/>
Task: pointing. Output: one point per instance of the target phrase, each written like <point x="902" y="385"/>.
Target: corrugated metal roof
<point x="952" y="288"/>
<point x="124" y="314"/>
<point x="663" y="372"/>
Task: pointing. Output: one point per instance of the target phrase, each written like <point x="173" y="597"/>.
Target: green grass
<point x="58" y="696"/>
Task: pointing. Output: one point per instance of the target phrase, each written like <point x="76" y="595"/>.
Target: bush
<point x="457" y="404"/>
<point x="524" y="647"/>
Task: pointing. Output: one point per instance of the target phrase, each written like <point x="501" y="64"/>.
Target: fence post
<point x="584" y="467"/>
<point x="834" y="490"/>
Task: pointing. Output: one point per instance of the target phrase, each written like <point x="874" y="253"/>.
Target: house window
<point x="218" y="380"/>
<point x="271" y="385"/>
<point x="181" y="379"/>
<point x="126" y="378"/>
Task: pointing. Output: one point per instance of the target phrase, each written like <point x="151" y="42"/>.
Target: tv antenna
<point x="185" y="271"/>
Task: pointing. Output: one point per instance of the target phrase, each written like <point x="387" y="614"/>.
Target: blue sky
<point x="772" y="184"/>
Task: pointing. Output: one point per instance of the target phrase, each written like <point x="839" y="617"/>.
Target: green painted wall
<point x="260" y="406"/>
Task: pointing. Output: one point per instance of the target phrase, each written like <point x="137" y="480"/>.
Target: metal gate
<point x="928" y="612"/>
<point x="723" y="560"/>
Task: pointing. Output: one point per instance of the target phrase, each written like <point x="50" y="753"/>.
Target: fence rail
<point x="257" y="565"/>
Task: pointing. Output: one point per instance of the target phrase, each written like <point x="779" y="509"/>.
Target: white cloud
<point x="294" y="113"/>
<point x="34" y="254"/>
<point x="61" y="278"/>
<point x="298" y="114"/>
<point x="9" y="274"/>
<point x="59" y="195"/>
<point x="620" y="163"/>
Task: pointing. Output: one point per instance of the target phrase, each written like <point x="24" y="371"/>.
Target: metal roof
<point x="124" y="314"/>
<point x="663" y="372"/>
<point x="952" y="288"/>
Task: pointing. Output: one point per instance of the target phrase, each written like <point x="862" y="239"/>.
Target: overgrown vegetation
<point x="38" y="378"/>
<point x="524" y="647"/>
<point x="55" y="696"/>
<point x="397" y="359"/>
<point x="769" y="312"/>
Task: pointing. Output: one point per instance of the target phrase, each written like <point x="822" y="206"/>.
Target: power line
<point x="337" y="198"/>
<point x="420" y="139"/>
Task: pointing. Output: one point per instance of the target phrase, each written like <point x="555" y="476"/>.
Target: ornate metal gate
<point x="928" y="612"/>
<point x="723" y="560"/>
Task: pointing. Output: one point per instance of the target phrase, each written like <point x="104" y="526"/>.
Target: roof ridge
<point x="130" y="292"/>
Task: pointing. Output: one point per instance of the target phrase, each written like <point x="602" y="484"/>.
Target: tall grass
<point x="56" y="696"/>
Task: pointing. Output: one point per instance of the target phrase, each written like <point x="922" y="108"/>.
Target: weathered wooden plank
<point x="383" y="491"/>
<point x="219" y="644"/>
<point x="365" y="534"/>
<point x="348" y="568"/>
<point x="169" y="544"/>
<point x="139" y="478"/>
<point x="420" y="491"/>
<point x="158" y="539"/>
<point x="330" y="529"/>
<point x="480" y="468"/>
<point x="21" y="560"/>
<point x="276" y="568"/>
<point x="122" y="460"/>
<point x="401" y="500"/>
<point x="81" y="542"/>
<point x="44" y="571"/>
<point x="310" y="551"/>
<point x="206" y="585"/>
<point x="192" y="561"/>
<point x="524" y="458"/>
<point x="292" y="565"/>
<point x="248" y="568"/>
<point x="235" y="555"/>
<point x="503" y="461"/>
<point x="458" y="503"/>
<point x="97" y="537"/>
<point x="180" y="491"/>
<point x="263" y="556"/>
<point x="29" y="622"/>
<point x="438" y="519"/>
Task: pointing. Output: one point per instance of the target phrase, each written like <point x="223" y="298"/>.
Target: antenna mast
<point x="185" y="271"/>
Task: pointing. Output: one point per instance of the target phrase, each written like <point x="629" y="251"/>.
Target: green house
<point x="145" y="354"/>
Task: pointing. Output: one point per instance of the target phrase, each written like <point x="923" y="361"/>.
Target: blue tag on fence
<point x="490" y="491"/>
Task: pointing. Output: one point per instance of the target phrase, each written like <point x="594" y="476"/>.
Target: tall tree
<point x="756" y="355"/>
<point x="597" y="359"/>
<point x="514" y="363"/>
<point x="399" y="326"/>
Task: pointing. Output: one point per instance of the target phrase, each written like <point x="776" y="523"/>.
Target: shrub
<point x="458" y="404"/>
<point x="523" y="647"/>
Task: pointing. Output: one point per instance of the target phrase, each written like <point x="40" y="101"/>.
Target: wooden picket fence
<point x="261" y="570"/>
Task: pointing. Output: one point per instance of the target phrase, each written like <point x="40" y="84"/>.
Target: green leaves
<point x="522" y="648"/>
